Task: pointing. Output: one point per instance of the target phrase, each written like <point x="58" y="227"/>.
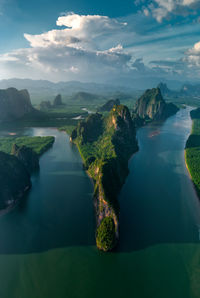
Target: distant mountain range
<point x="36" y="87"/>
<point x="187" y="90"/>
<point x="41" y="90"/>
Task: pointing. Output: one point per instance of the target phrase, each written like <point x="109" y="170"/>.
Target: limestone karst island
<point x="99" y="149"/>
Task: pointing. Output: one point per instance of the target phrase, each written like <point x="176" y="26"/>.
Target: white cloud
<point x="99" y="48"/>
<point x="186" y="67"/>
<point x="161" y="9"/>
<point x="81" y="32"/>
<point x="192" y="57"/>
<point x="86" y="48"/>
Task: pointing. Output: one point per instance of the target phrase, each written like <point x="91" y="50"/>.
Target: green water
<point x="47" y="243"/>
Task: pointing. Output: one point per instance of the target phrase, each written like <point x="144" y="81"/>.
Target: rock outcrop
<point x="14" y="180"/>
<point x="165" y="91"/>
<point x="57" y="101"/>
<point x="27" y="156"/>
<point x="106" y="144"/>
<point x="14" y="104"/>
<point x="151" y="106"/>
<point x="109" y="105"/>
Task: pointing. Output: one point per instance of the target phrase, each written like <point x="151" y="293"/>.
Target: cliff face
<point x="14" y="104"/>
<point x="57" y="101"/>
<point x="27" y="156"/>
<point x="106" y="149"/>
<point x="151" y="105"/>
<point x="14" y="180"/>
<point x="165" y="91"/>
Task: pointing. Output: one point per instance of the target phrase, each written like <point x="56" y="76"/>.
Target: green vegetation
<point x="67" y="128"/>
<point x="105" y="238"/>
<point x="18" y="158"/>
<point x="65" y="116"/>
<point x="192" y="151"/>
<point x="38" y="144"/>
<point x="106" y="144"/>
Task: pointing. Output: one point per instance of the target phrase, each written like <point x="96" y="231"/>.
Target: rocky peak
<point x="14" y="104"/>
<point x="151" y="105"/>
<point x="89" y="129"/>
<point x="164" y="89"/>
<point x="57" y="101"/>
<point x="109" y="105"/>
<point x="121" y="116"/>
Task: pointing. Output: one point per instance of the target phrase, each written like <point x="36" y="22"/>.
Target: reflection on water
<point x="158" y="201"/>
<point x="160" y="217"/>
<point x="55" y="213"/>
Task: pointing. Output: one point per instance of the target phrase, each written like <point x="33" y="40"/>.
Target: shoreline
<point x="20" y="197"/>
<point x="190" y="176"/>
<point x="186" y="165"/>
<point x="16" y="202"/>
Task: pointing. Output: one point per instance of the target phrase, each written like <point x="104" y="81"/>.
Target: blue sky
<point x="18" y="16"/>
<point x="98" y="40"/>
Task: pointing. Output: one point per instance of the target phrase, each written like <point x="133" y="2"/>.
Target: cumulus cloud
<point x="91" y="48"/>
<point x="81" y="32"/>
<point x="73" y="52"/>
<point x="192" y="57"/>
<point x="161" y="9"/>
<point x="187" y="66"/>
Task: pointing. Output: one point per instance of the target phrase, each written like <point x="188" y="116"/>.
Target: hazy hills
<point x="185" y="90"/>
<point x="43" y="90"/>
<point x="38" y="87"/>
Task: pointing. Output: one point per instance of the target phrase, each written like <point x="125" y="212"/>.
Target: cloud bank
<point x="161" y="9"/>
<point x="87" y="46"/>
<point x="102" y="49"/>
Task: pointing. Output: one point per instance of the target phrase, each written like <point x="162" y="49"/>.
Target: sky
<point x="100" y="41"/>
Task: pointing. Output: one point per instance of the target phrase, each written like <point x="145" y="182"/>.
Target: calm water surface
<point x="58" y="211"/>
<point x="158" y="201"/>
<point x="47" y="243"/>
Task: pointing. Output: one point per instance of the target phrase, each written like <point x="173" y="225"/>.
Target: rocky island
<point x="19" y="157"/>
<point x="57" y="101"/>
<point x="151" y="106"/>
<point x="14" y="180"/>
<point x="106" y="143"/>
<point x="14" y="104"/>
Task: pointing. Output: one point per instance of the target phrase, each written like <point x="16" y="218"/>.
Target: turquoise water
<point x="47" y="243"/>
